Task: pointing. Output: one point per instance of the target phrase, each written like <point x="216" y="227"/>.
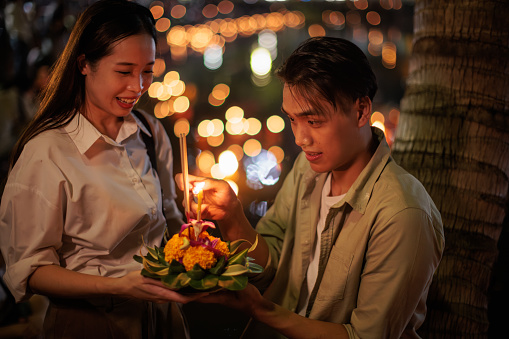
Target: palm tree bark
<point x="453" y="136"/>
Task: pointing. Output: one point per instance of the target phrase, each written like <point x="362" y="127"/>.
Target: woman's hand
<point x="134" y="285"/>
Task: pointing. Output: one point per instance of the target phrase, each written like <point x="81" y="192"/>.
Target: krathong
<point x="193" y="260"/>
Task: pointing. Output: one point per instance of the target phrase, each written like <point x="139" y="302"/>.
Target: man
<point x="352" y="240"/>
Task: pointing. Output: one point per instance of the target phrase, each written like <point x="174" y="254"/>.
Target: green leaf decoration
<point x="239" y="258"/>
<point x="176" y="281"/>
<point x="176" y="267"/>
<point x="196" y="273"/>
<point x="253" y="246"/>
<point x="219" y="267"/>
<point x="208" y="282"/>
<point x="138" y="259"/>
<point x="234" y="270"/>
<point x="254" y="268"/>
<point x="228" y="273"/>
<point x="236" y="283"/>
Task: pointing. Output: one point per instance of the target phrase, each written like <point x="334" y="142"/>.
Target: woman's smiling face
<point x="115" y="83"/>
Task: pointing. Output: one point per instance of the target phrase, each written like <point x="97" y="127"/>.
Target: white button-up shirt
<point x="78" y="199"/>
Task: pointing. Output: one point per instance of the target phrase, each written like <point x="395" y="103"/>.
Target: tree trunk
<point x="453" y="136"/>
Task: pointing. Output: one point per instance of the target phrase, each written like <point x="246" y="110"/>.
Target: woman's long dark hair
<point x="94" y="35"/>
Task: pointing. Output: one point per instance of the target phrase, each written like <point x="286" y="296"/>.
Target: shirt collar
<point x="84" y="134"/>
<point x="359" y="194"/>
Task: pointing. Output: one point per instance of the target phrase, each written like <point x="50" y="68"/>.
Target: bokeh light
<point x="252" y="147"/>
<point x="275" y="124"/>
<point x="228" y="163"/>
<point x="181" y="126"/>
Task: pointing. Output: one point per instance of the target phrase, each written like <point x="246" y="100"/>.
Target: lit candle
<point x="198" y="191"/>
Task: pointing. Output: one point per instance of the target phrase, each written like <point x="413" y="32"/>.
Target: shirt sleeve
<point x="402" y="255"/>
<point x="31" y="226"/>
<point x="165" y="172"/>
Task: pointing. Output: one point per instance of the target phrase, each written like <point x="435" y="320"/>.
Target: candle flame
<point x="198" y="187"/>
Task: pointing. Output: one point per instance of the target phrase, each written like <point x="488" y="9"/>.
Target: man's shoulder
<point x="400" y="189"/>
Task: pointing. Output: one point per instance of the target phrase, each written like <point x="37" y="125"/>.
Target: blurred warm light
<point x="181" y="126"/>
<point x="228" y="163"/>
<point x="316" y="30"/>
<point x="389" y="55"/>
<point x="275" y="124"/>
<point x="181" y="104"/>
<point x="261" y="61"/>
<point x="157" y="11"/>
<point x="374" y="49"/>
<point x="353" y="18"/>
<point x="233" y="185"/>
<point x="252" y="147"/>
<point x="397" y="4"/>
<point x="375" y="36"/>
<point x="386" y="4"/>
<point x="215" y="172"/>
<point x="237" y="150"/>
<point x="171" y="78"/>
<point x="205" y="128"/>
<point x="235" y="128"/>
<point x="234" y="114"/>
<point x="275" y="21"/>
<point x="178" y="88"/>
<point x="337" y="18"/>
<point x="221" y="91"/>
<point x="253" y="126"/>
<point x="154" y="89"/>
<point x="209" y="11"/>
<point x="205" y="161"/>
<point x="215" y="102"/>
<point x="379" y="125"/>
<point x="361" y="4"/>
<point x="178" y="11"/>
<point x="177" y="35"/>
<point x="163" y="24"/>
<point x="360" y="34"/>
<point x="218" y="127"/>
<point x="377" y="116"/>
<point x="215" y="141"/>
<point x="291" y="19"/>
<point x="159" y="67"/>
<point x="373" y="18"/>
<point x="163" y="109"/>
<point x="278" y="153"/>
<point x="394" y="116"/>
<point x="225" y="7"/>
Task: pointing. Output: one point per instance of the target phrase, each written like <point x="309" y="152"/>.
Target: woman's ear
<point x="363" y="110"/>
<point x="83" y="64"/>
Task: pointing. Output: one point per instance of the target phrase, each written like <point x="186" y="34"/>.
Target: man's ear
<point x="363" y="110"/>
<point x="83" y="65"/>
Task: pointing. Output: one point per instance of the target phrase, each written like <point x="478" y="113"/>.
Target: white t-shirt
<point x="327" y="201"/>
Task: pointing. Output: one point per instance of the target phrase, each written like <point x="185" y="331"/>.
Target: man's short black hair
<point x="329" y="68"/>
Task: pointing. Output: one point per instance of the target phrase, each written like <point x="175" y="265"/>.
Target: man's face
<point x="331" y="142"/>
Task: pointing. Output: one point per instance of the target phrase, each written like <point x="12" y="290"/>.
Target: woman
<point x="82" y="195"/>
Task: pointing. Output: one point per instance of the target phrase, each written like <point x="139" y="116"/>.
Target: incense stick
<point x="185" y="173"/>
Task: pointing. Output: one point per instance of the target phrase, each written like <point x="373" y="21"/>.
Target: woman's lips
<point x="126" y="103"/>
<point x="313" y="156"/>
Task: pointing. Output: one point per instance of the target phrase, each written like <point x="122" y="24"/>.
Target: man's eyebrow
<point x="300" y="114"/>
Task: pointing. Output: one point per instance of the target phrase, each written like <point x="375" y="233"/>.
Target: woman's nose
<point x="135" y="84"/>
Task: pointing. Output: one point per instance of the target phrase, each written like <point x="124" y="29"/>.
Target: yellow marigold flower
<point x="223" y="248"/>
<point x="198" y="255"/>
<point x="172" y="249"/>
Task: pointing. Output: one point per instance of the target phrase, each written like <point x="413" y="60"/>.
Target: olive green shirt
<point x="380" y="247"/>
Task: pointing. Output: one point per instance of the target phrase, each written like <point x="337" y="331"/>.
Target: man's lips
<point x="313" y="156"/>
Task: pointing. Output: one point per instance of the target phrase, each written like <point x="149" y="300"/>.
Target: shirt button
<point x="154" y="211"/>
<point x="134" y="180"/>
